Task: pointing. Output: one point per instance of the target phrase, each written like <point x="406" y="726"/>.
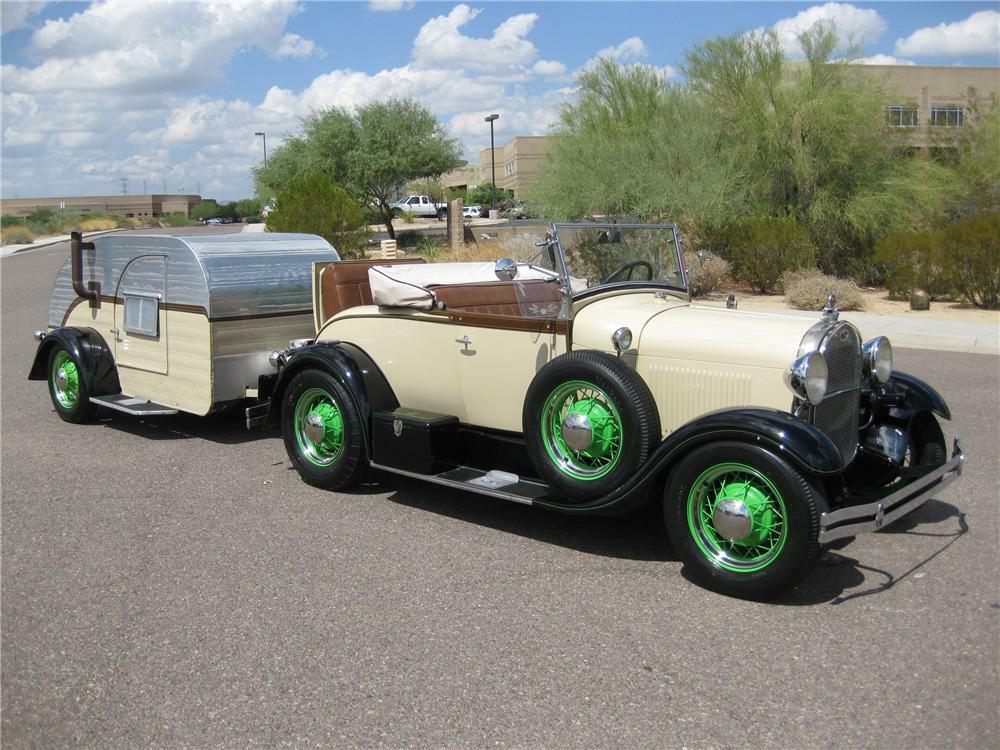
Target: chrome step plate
<point x="523" y="491"/>
<point x="136" y="405"/>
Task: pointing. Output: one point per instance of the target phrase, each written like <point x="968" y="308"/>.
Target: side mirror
<point x="505" y="269"/>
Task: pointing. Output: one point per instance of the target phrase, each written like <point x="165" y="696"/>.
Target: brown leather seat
<point x="344" y="283"/>
<point x="522" y="299"/>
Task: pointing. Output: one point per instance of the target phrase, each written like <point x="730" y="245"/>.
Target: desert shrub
<point x="761" y="250"/>
<point x="971" y="258"/>
<point x="177" y="219"/>
<point x="811" y="292"/>
<point x="407" y="239"/>
<point x="708" y="275"/>
<point x="312" y="203"/>
<point x="7" y="220"/>
<point x="16" y="234"/>
<point x="94" y="225"/>
<point x="408" y="216"/>
<point x="429" y="248"/>
<point x="913" y="260"/>
<point x="789" y="278"/>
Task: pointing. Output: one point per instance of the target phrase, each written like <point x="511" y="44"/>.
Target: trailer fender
<point x="88" y="347"/>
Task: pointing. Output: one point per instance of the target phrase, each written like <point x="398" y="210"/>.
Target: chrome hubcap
<point x="732" y="519"/>
<point x="314" y="429"/>
<point x="577" y="432"/>
<point x="61" y="379"/>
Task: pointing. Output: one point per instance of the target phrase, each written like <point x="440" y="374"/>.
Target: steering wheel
<point x="629" y="267"/>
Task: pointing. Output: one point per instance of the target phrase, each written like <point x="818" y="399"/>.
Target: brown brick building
<point x="140" y="206"/>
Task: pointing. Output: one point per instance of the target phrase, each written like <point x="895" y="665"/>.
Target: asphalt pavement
<point x="171" y="582"/>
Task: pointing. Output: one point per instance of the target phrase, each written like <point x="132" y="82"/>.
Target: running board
<point x="138" y="406"/>
<point x="499" y="484"/>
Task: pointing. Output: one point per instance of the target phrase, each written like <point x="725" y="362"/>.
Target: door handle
<point x="116" y="331"/>
<point x="464" y="341"/>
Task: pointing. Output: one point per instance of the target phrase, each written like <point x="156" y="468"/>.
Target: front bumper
<point x="879" y="514"/>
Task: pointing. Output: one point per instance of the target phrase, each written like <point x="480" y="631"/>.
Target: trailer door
<point x="140" y="316"/>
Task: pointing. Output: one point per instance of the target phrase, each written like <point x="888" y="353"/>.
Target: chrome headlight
<point x="878" y="359"/>
<point x="622" y="339"/>
<point x="807" y="377"/>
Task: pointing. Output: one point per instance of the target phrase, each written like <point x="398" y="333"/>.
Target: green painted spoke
<point x="767" y="533"/>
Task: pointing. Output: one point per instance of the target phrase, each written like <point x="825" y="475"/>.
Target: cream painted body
<point x="186" y="381"/>
<point x="483" y="383"/>
<point x="697" y="359"/>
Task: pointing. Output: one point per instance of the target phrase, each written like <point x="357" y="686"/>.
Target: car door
<point x="497" y="361"/>
<point x="140" y="319"/>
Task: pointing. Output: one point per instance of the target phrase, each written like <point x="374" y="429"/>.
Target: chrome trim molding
<point x="891" y="508"/>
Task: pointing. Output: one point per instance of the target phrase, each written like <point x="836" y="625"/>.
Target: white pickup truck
<point x="420" y="205"/>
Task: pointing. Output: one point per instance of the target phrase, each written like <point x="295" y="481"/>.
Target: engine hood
<point x="668" y="327"/>
<point x="697" y="359"/>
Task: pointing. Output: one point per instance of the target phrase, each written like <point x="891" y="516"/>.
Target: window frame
<point x="154" y="332"/>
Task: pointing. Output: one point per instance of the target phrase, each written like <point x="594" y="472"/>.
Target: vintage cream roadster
<point x="581" y="379"/>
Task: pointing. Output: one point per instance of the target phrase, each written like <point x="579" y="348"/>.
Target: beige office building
<point x="139" y="206"/>
<point x="517" y="162"/>
<point x="931" y="102"/>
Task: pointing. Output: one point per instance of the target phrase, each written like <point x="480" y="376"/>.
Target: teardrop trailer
<point x="581" y="379"/>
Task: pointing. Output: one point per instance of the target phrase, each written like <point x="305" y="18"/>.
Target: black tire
<point x="774" y="509"/>
<point x="337" y="458"/>
<point x="926" y="446"/>
<point x="68" y="387"/>
<point x="625" y="429"/>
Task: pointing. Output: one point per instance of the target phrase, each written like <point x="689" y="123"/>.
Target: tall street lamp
<point x="493" y="158"/>
<point x="263" y="135"/>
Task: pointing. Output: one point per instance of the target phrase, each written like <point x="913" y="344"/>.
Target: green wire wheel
<point x="68" y="387"/>
<point x="743" y="518"/>
<point x="322" y="430"/>
<point x="737" y="517"/>
<point x="589" y="423"/>
<point x="582" y="430"/>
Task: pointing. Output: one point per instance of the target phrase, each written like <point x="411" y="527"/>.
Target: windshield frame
<point x="623" y="285"/>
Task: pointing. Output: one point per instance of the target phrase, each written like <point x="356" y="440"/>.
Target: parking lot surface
<point x="171" y="582"/>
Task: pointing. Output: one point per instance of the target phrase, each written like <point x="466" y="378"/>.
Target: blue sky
<point x="171" y="93"/>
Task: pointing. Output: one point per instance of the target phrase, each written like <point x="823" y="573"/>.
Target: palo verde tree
<point x="312" y="203"/>
<point x="370" y="152"/>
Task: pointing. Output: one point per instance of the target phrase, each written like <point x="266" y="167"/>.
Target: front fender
<point x="801" y="443"/>
<point x="916" y="395"/>
<point x="88" y="347"/>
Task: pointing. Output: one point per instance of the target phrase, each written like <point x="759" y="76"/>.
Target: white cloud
<point x="15" y="14"/>
<point x="115" y="93"/>
<point x="390" y="5"/>
<point x="293" y="45"/>
<point x="167" y="47"/>
<point x="979" y="34"/>
<point x="854" y="26"/>
<point x="441" y="44"/>
<point x="880" y="60"/>
<point x="630" y="50"/>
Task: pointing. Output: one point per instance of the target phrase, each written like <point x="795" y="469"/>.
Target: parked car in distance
<point x="214" y="221"/>
<point x="419" y="205"/>
<point x="471" y="212"/>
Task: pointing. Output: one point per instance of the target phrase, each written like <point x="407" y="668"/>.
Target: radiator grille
<point x="837" y="414"/>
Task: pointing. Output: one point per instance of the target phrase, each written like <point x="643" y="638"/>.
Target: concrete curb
<point x="44" y="242"/>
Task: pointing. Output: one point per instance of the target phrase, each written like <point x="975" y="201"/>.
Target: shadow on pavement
<point x="225" y="427"/>
<point x="637" y="536"/>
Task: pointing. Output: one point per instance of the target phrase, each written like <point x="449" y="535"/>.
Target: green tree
<point x="312" y="203"/>
<point x="977" y="163"/>
<point x="482" y="195"/>
<point x="371" y="152"/>
<point x="247" y="208"/>
<point x="205" y="210"/>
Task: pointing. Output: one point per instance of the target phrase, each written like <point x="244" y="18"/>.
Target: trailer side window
<point x="142" y="315"/>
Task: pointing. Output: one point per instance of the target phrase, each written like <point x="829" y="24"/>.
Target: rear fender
<point x="351" y="366"/>
<point x="88" y="347"/>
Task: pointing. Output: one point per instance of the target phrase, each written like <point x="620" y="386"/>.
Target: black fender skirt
<point x="914" y="394"/>
<point x="351" y="366"/>
<point x="88" y="348"/>
<point x="802" y="444"/>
